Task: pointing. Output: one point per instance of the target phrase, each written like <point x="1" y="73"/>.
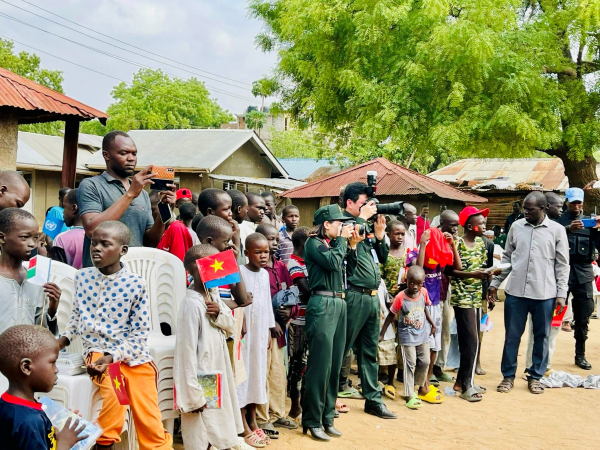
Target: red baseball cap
<point x="184" y="193"/>
<point x="469" y="211"/>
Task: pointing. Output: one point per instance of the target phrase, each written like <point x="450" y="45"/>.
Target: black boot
<point x="380" y="411"/>
<point x="582" y="362"/>
<point x="331" y="431"/>
<point x="317" y="433"/>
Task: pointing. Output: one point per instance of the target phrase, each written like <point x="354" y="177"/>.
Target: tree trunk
<point x="581" y="173"/>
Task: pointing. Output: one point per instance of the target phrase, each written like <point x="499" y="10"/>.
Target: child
<point x="239" y="205"/>
<point x="386" y="349"/>
<point x="28" y="360"/>
<point x="279" y="279"/>
<point x="68" y="246"/>
<point x="298" y="345"/>
<point x="215" y="201"/>
<point x="111" y="316"/>
<point x="259" y="320"/>
<point x="291" y="217"/>
<point x="255" y="215"/>
<point x="203" y="324"/>
<point x="413" y="332"/>
<point x="23" y="302"/>
<point x="177" y="239"/>
<point x="187" y="212"/>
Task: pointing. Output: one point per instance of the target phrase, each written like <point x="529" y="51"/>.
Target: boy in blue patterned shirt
<point x="111" y="315"/>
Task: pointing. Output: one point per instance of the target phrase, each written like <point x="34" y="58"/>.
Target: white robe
<point x="259" y="320"/>
<point x="201" y="347"/>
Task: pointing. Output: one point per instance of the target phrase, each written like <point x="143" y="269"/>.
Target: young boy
<point x="203" y="325"/>
<point x="187" y="212"/>
<point x="386" y="349"/>
<point x="413" y="332"/>
<point x="298" y="345"/>
<point x="291" y="217"/>
<point x="23" y="302"/>
<point x="279" y="279"/>
<point x="177" y="239"/>
<point x="255" y="215"/>
<point x="239" y="205"/>
<point x="111" y="316"/>
<point x="28" y="360"/>
<point x="259" y="321"/>
<point x="68" y="246"/>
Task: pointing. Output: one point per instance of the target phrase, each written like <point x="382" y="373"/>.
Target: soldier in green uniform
<point x="362" y="302"/>
<point x="324" y="255"/>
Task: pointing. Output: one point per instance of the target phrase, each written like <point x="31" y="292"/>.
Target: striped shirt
<point x="286" y="248"/>
<point x="297" y="269"/>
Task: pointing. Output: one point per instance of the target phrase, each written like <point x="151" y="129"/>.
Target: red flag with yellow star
<point x="219" y="270"/>
<point x="118" y="382"/>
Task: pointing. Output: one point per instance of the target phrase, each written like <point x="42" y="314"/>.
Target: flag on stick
<point x="219" y="270"/>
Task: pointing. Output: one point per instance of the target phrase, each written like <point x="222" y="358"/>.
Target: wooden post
<point x="9" y="126"/>
<point x="69" y="165"/>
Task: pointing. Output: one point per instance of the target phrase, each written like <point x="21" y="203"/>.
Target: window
<point x="227" y="185"/>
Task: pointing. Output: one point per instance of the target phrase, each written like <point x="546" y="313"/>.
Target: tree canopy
<point x="156" y="101"/>
<point x="449" y="78"/>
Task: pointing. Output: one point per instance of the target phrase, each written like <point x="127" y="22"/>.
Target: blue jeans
<point x="515" y="319"/>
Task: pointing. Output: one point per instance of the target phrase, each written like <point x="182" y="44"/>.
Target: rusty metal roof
<point x="547" y="173"/>
<point x="39" y="103"/>
<point x="391" y="180"/>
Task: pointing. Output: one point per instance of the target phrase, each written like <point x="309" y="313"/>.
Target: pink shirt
<point x="71" y="241"/>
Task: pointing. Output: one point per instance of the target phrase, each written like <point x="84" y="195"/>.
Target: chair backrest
<point x="64" y="276"/>
<point x="165" y="276"/>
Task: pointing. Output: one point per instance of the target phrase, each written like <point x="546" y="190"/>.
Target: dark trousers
<point x="583" y="307"/>
<point x="298" y="348"/>
<point x="467" y="329"/>
<point x="362" y="333"/>
<point x="326" y="333"/>
<point x="516" y="310"/>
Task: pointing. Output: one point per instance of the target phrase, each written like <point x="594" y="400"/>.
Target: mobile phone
<point x="165" y="212"/>
<point x="589" y="223"/>
<point x="164" y="176"/>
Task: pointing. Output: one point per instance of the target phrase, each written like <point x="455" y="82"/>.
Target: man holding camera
<point x="362" y="302"/>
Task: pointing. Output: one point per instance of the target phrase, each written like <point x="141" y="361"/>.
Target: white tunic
<point x="259" y="320"/>
<point x="201" y="347"/>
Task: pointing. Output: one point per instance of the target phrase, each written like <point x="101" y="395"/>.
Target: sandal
<point x="413" y="403"/>
<point x="350" y="393"/>
<point x="480" y="389"/>
<point x="471" y="395"/>
<point x="445" y="378"/>
<point x="286" y="423"/>
<point x="433" y="396"/>
<point x="254" y="440"/>
<point x="265" y="438"/>
<point x="390" y="391"/>
<point x="535" y="387"/>
<point x="434" y="381"/>
<point x="505" y="386"/>
<point x="341" y="407"/>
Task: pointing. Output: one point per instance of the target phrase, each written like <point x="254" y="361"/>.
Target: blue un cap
<point x="574" y="195"/>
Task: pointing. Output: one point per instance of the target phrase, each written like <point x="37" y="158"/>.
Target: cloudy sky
<point x="213" y="36"/>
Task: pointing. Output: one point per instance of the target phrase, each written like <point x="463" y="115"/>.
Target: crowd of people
<point x="384" y="289"/>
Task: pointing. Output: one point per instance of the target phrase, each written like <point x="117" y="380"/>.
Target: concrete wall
<point x="245" y="162"/>
<point x="307" y="208"/>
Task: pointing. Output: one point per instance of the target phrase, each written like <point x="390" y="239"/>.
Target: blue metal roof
<point x="303" y="168"/>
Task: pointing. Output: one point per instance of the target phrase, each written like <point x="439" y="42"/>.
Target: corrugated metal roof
<point x="278" y="183"/>
<point x="548" y="172"/>
<point x="308" y="169"/>
<point x="391" y="180"/>
<point x="191" y="150"/>
<point x="43" y="151"/>
<point x="22" y="93"/>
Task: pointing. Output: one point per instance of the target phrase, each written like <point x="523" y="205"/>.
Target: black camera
<point x="392" y="209"/>
<point x="362" y="229"/>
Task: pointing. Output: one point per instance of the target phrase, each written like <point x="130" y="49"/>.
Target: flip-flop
<point x="254" y="440"/>
<point x="341" y="407"/>
<point x="350" y="393"/>
<point x="413" y="403"/>
<point x="469" y="394"/>
<point x="286" y="423"/>
<point x="445" y="378"/>
<point x="433" y="396"/>
<point x="480" y="389"/>
<point x="390" y="391"/>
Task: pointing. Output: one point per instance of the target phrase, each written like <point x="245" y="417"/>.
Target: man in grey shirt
<point x="113" y="195"/>
<point x="538" y="250"/>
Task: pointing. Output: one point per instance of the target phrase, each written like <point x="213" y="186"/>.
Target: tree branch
<point x="566" y="70"/>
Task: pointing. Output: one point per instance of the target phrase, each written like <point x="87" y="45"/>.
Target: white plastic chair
<point x="64" y="276"/>
<point x="165" y="276"/>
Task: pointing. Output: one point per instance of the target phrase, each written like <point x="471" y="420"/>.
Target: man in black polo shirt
<point x="118" y="194"/>
<point x="582" y="243"/>
<point x="512" y="218"/>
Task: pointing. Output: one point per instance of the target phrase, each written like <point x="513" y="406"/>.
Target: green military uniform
<point x="363" y="309"/>
<point x="325" y="322"/>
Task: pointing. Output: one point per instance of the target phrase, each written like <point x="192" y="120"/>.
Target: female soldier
<point x="324" y="254"/>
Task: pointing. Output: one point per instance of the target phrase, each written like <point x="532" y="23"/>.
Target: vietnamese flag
<point x="118" y="382"/>
<point x="219" y="270"/>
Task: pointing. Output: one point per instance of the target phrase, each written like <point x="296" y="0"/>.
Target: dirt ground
<point x="557" y="418"/>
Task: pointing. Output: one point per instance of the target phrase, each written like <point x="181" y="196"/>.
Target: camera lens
<point x="393" y="209"/>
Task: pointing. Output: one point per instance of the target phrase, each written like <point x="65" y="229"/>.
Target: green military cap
<point x="329" y="214"/>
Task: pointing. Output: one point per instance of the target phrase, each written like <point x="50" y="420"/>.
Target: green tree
<point x="263" y="88"/>
<point x="28" y="66"/>
<point x="296" y="143"/>
<point x="444" y="77"/>
<point x="255" y="120"/>
<point x="155" y="101"/>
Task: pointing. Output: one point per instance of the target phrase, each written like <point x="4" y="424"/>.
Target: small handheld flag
<point x="52" y="226"/>
<point x="219" y="270"/>
<point x="558" y="318"/>
<point x="38" y="270"/>
<point x="118" y="382"/>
